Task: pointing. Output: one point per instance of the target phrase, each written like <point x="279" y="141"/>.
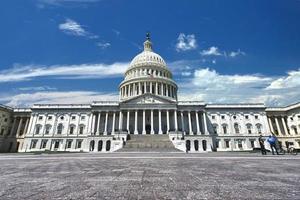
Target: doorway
<point x="148" y="129"/>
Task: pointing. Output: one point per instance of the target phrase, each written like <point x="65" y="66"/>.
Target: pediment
<point x="148" y="99"/>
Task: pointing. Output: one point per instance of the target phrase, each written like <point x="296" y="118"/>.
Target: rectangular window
<point x="73" y="117"/>
<point x="40" y="117"/>
<point x="2" y="131"/>
<point x="79" y="144"/>
<point x="213" y="117"/>
<point x="82" y="117"/>
<point x="49" y="117"/>
<point x="81" y="130"/>
<point x="44" y="144"/>
<point x="217" y="143"/>
<point x="69" y="144"/>
<point x="33" y="144"/>
<point x="222" y="117"/>
<point x="56" y="144"/>
<point x="246" y="117"/>
<point x="256" y="116"/>
<point x="71" y="130"/>
<point x="252" y="143"/>
<point x="47" y="131"/>
<point x="227" y="143"/>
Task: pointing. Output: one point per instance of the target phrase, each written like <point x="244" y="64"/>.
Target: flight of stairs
<point x="148" y="143"/>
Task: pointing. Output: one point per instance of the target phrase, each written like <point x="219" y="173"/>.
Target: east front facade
<point x="147" y="116"/>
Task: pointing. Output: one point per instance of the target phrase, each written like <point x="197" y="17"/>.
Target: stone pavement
<point x="149" y="176"/>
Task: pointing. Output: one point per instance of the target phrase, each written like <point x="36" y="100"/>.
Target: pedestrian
<point x="272" y="141"/>
<point x="262" y="145"/>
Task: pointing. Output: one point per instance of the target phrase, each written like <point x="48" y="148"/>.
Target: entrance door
<point x="148" y="129"/>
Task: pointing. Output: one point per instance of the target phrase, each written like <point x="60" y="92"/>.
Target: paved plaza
<point x="149" y="176"/>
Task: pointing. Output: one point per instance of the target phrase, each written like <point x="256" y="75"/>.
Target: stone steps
<point x="148" y="143"/>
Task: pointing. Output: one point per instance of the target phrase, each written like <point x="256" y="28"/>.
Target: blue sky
<point x="76" y="51"/>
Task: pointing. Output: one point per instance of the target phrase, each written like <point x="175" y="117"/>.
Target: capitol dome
<point x="148" y="74"/>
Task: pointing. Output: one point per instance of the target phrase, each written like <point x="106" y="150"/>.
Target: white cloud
<point x="186" y="73"/>
<point x="212" y="51"/>
<point x="62" y="97"/>
<point x="83" y="71"/>
<point x="186" y="42"/>
<point x="292" y="80"/>
<point x="72" y="27"/>
<point x="42" y="3"/>
<point x="213" y="87"/>
<point x="103" y="45"/>
<point x="236" y="53"/>
<point x="39" y="88"/>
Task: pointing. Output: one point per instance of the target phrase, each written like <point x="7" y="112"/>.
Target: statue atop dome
<point x="147" y="43"/>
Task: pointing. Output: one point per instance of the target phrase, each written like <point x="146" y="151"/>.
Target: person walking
<point x="262" y="145"/>
<point x="272" y="141"/>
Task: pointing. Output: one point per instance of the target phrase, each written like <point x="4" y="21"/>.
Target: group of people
<point x="272" y="140"/>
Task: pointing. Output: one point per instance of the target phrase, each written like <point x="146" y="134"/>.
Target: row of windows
<point x="239" y="143"/>
<point x="59" y="129"/>
<point x="56" y="144"/>
<point x="62" y="117"/>
<point x="148" y="72"/>
<point x="292" y="118"/>
<point x="237" y="128"/>
<point x="235" y="117"/>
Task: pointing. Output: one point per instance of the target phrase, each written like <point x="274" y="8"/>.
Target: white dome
<point x="147" y="58"/>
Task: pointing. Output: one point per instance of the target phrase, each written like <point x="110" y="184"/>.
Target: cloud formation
<point x="57" y="97"/>
<point x="212" y="87"/>
<point x="186" y="42"/>
<point x="212" y="51"/>
<point x="71" y="27"/>
<point x="83" y="71"/>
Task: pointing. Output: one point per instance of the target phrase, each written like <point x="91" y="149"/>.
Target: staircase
<point x="149" y="143"/>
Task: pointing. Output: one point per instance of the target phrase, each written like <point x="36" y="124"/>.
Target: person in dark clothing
<point x="272" y="141"/>
<point x="262" y="145"/>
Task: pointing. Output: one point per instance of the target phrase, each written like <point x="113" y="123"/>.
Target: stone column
<point x="190" y="123"/>
<point x="168" y="122"/>
<point x="284" y="126"/>
<point x="156" y="88"/>
<point x="127" y="125"/>
<point x="159" y="122"/>
<point x="19" y="126"/>
<point x="105" y="126"/>
<point x="162" y="89"/>
<point x="93" y="124"/>
<point x="140" y="89"/>
<point x="129" y="90"/>
<point x="13" y="126"/>
<point x="98" y="124"/>
<point x="197" y="123"/>
<point x="30" y="124"/>
<point x="151" y="88"/>
<point x="144" y="123"/>
<point x="26" y="126"/>
<point x="120" y="120"/>
<point x="175" y="120"/>
<point x="277" y="124"/>
<point x="270" y="124"/>
<point x="152" y="128"/>
<point x="135" y="122"/>
<point x="113" y="124"/>
<point x="205" y="124"/>
<point x="182" y="122"/>
<point x="145" y="87"/>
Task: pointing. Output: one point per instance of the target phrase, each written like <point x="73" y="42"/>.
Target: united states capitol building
<point x="148" y="116"/>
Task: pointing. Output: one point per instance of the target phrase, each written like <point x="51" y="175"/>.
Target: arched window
<point x="188" y="145"/>
<point x="258" y="127"/>
<point x="81" y="129"/>
<point x="100" y="144"/>
<point x="60" y="128"/>
<point x="108" y="145"/>
<point x="72" y="129"/>
<point x="236" y="128"/>
<point x="196" y="145"/>
<point x="215" y="127"/>
<point x="92" y="145"/>
<point x="224" y="127"/>
<point x="38" y="129"/>
<point x="249" y="128"/>
<point x="48" y="129"/>
<point x="204" y="145"/>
